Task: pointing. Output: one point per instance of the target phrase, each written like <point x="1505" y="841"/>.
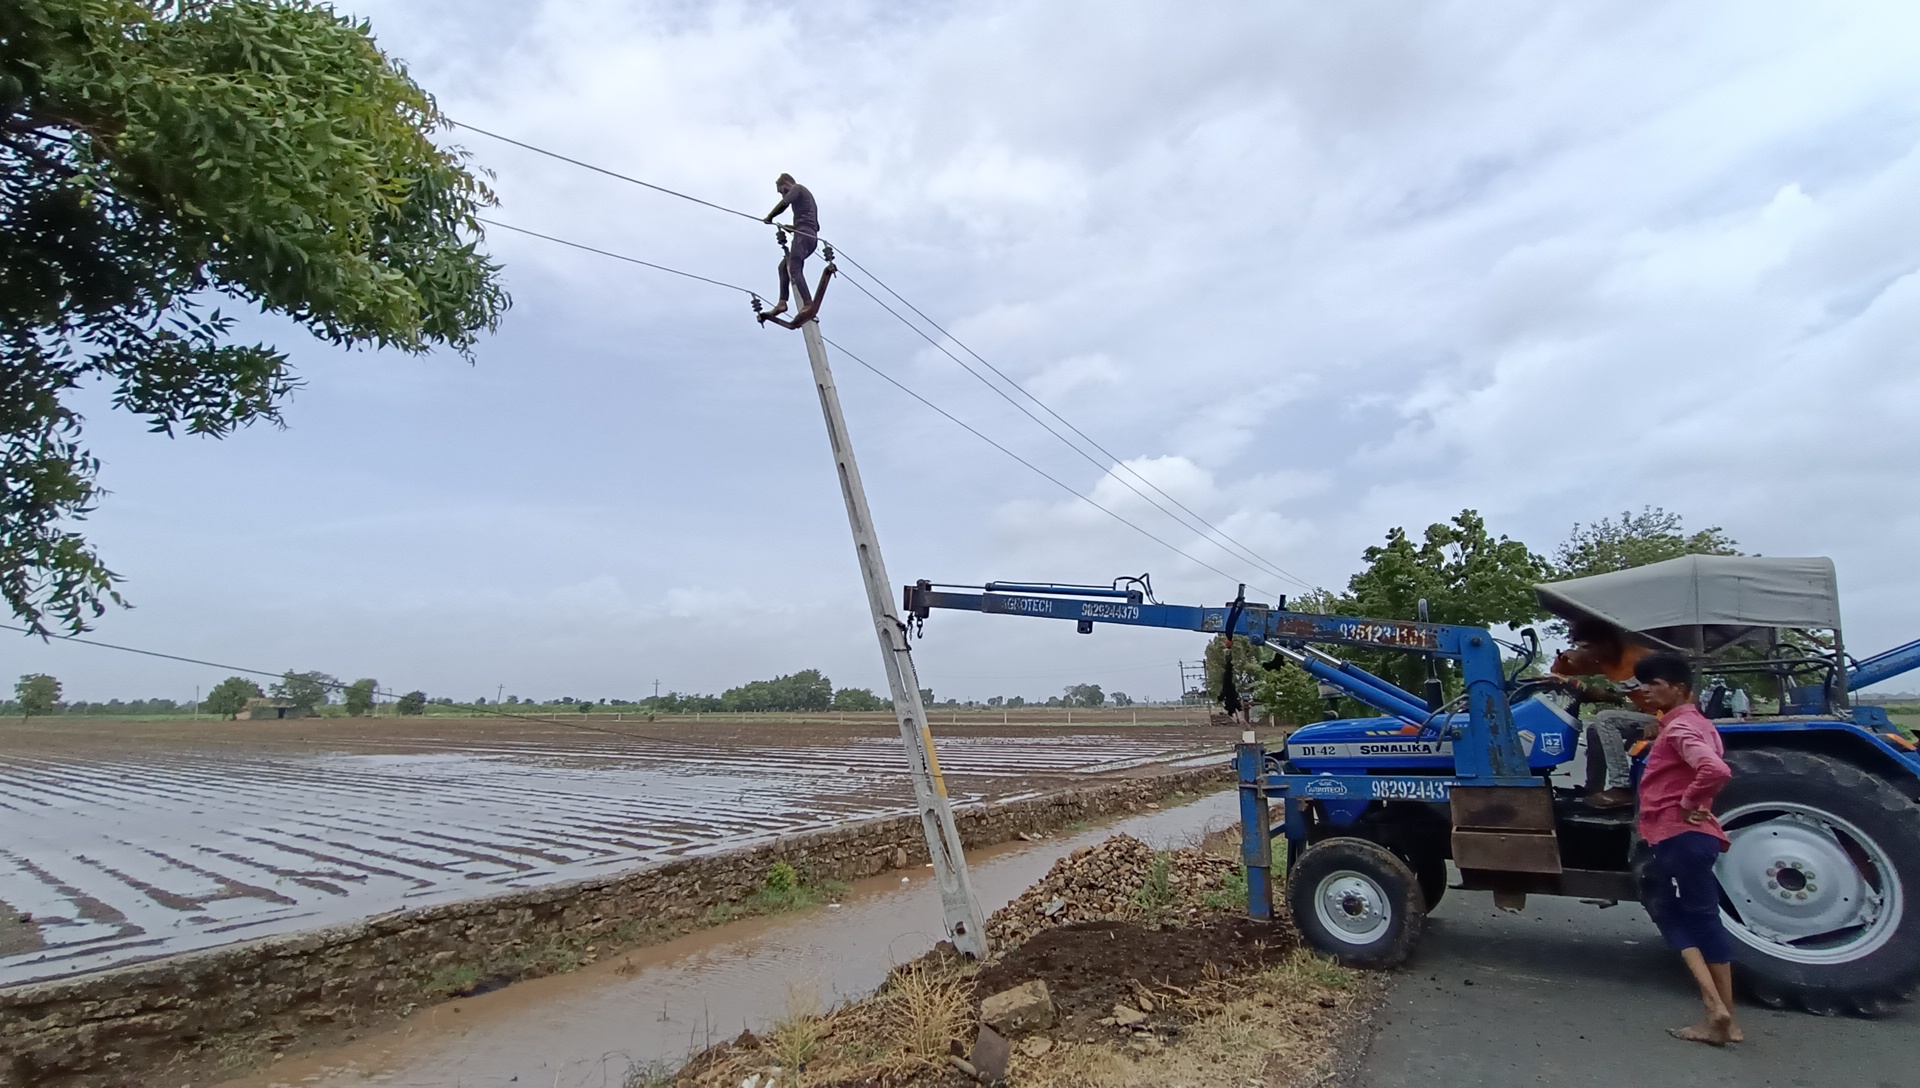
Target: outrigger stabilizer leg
<point x="812" y="308"/>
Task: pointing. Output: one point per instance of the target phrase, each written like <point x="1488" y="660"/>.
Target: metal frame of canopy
<point x="1700" y="605"/>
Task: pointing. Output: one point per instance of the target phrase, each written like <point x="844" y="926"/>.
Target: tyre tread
<point x="1901" y="817"/>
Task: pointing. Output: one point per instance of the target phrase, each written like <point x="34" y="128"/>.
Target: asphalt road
<point x="1570" y="995"/>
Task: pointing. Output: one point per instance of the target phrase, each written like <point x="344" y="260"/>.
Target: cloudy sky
<point x="1316" y="270"/>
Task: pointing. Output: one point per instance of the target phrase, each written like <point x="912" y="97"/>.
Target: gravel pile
<point x="1110" y="882"/>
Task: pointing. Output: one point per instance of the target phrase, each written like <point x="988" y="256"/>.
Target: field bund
<point x="185" y="1013"/>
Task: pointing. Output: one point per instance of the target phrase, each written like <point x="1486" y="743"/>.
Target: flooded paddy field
<point x="130" y="840"/>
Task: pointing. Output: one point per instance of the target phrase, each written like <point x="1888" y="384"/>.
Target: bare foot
<point x="1734" y="1034"/>
<point x="1713" y="1032"/>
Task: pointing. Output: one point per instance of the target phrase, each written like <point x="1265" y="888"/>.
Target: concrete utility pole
<point x="966" y="925"/>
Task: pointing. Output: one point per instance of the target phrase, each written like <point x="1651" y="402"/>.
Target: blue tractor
<point x="1821" y="888"/>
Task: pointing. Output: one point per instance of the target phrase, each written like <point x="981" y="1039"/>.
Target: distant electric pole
<point x="497" y="692"/>
<point x="656" y="691"/>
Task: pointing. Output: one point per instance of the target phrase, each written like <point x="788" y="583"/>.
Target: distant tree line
<point x="806" y="691"/>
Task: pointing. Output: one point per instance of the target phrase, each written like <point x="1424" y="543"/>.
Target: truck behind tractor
<point x="1818" y="889"/>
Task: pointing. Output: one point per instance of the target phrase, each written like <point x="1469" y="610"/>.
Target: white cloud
<point x="1315" y="269"/>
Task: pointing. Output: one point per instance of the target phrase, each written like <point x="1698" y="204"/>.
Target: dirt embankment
<point x="1130" y="968"/>
<point x="190" y="1017"/>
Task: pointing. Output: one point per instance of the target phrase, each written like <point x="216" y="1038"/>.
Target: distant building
<point x="262" y="709"/>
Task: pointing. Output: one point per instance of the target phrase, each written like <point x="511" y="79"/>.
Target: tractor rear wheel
<point x="1358" y="902"/>
<point x="1819" y="888"/>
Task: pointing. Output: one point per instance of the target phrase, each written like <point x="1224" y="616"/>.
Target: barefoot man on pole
<point x="806" y="234"/>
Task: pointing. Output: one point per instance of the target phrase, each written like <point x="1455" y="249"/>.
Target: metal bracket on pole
<point x="966" y="924"/>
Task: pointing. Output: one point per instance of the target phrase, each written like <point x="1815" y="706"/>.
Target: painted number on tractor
<point x="1410" y="789"/>
<point x="1389" y="634"/>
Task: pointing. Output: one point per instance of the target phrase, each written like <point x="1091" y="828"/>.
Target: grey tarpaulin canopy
<point x="1702" y="602"/>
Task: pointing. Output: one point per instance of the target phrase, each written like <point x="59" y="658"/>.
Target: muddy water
<point x="659" y="1004"/>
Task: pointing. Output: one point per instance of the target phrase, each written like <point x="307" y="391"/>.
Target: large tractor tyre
<point x="1356" y="901"/>
<point x="1819" y="888"/>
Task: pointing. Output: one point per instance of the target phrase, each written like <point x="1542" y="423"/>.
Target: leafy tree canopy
<point x="411" y="704"/>
<point x="36" y="693"/>
<point x="1465" y="574"/>
<point x="305" y="690"/>
<point x="1088" y="695"/>
<point x="858" y="699"/>
<point x="359" y="697"/>
<point x="1651" y="536"/>
<point x="158" y="156"/>
<point x="229" y="696"/>
<point x="804" y="690"/>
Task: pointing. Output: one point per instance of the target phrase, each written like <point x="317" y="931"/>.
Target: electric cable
<point x="1056" y="481"/>
<point x="1044" y="474"/>
<point x="1249" y="557"/>
<point x="603" y="170"/>
<point x="336" y="684"/>
<point x="1068" y="488"/>
<point x="1243" y="553"/>
<point x="1246" y="554"/>
<point x="618" y="256"/>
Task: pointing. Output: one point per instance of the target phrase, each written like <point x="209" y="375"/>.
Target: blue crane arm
<point x="1884" y="666"/>
<point x="1488" y="748"/>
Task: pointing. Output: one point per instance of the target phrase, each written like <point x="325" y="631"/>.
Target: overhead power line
<point x="1109" y="466"/>
<point x="1044" y="474"/>
<point x="335" y="685"/>
<point x="603" y="170"/>
<point x="1192" y="520"/>
<point x="619" y="256"/>
<point x="1244" y="553"/>
<point x="969" y="428"/>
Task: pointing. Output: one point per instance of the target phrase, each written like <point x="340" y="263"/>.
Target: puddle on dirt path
<point x="657" y="1005"/>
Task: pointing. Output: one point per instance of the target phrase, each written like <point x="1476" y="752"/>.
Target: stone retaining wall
<point x="192" y="1017"/>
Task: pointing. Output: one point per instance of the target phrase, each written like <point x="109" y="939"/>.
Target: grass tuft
<point x="653" y="1074"/>
<point x="783" y="889"/>
<point x="1156" y="893"/>
<point x="796" y="1037"/>
<point x="926" y="1008"/>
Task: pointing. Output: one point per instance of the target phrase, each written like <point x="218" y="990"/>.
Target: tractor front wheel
<point x="1358" y="902"/>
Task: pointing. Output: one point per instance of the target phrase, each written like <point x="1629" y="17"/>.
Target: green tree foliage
<point x="1088" y="695"/>
<point x="1635" y="540"/>
<point x="675" y="703"/>
<point x="1465" y="574"/>
<point x="229" y="696"/>
<point x="159" y="155"/>
<point x="412" y="704"/>
<point x="359" y="697"/>
<point x="305" y="690"/>
<point x="804" y="690"/>
<point x="1120" y="698"/>
<point x="1290" y="696"/>
<point x="36" y="693"/>
<point x="858" y="699"/>
<point x="1245" y="659"/>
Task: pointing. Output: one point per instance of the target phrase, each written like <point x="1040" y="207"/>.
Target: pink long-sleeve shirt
<point x="1685" y="772"/>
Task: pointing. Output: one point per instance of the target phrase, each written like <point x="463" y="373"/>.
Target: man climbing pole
<point x="806" y="234"/>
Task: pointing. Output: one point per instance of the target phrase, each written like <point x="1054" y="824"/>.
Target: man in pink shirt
<point x="1685" y="772"/>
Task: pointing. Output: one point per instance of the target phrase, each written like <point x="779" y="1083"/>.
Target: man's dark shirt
<point x="806" y="217"/>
